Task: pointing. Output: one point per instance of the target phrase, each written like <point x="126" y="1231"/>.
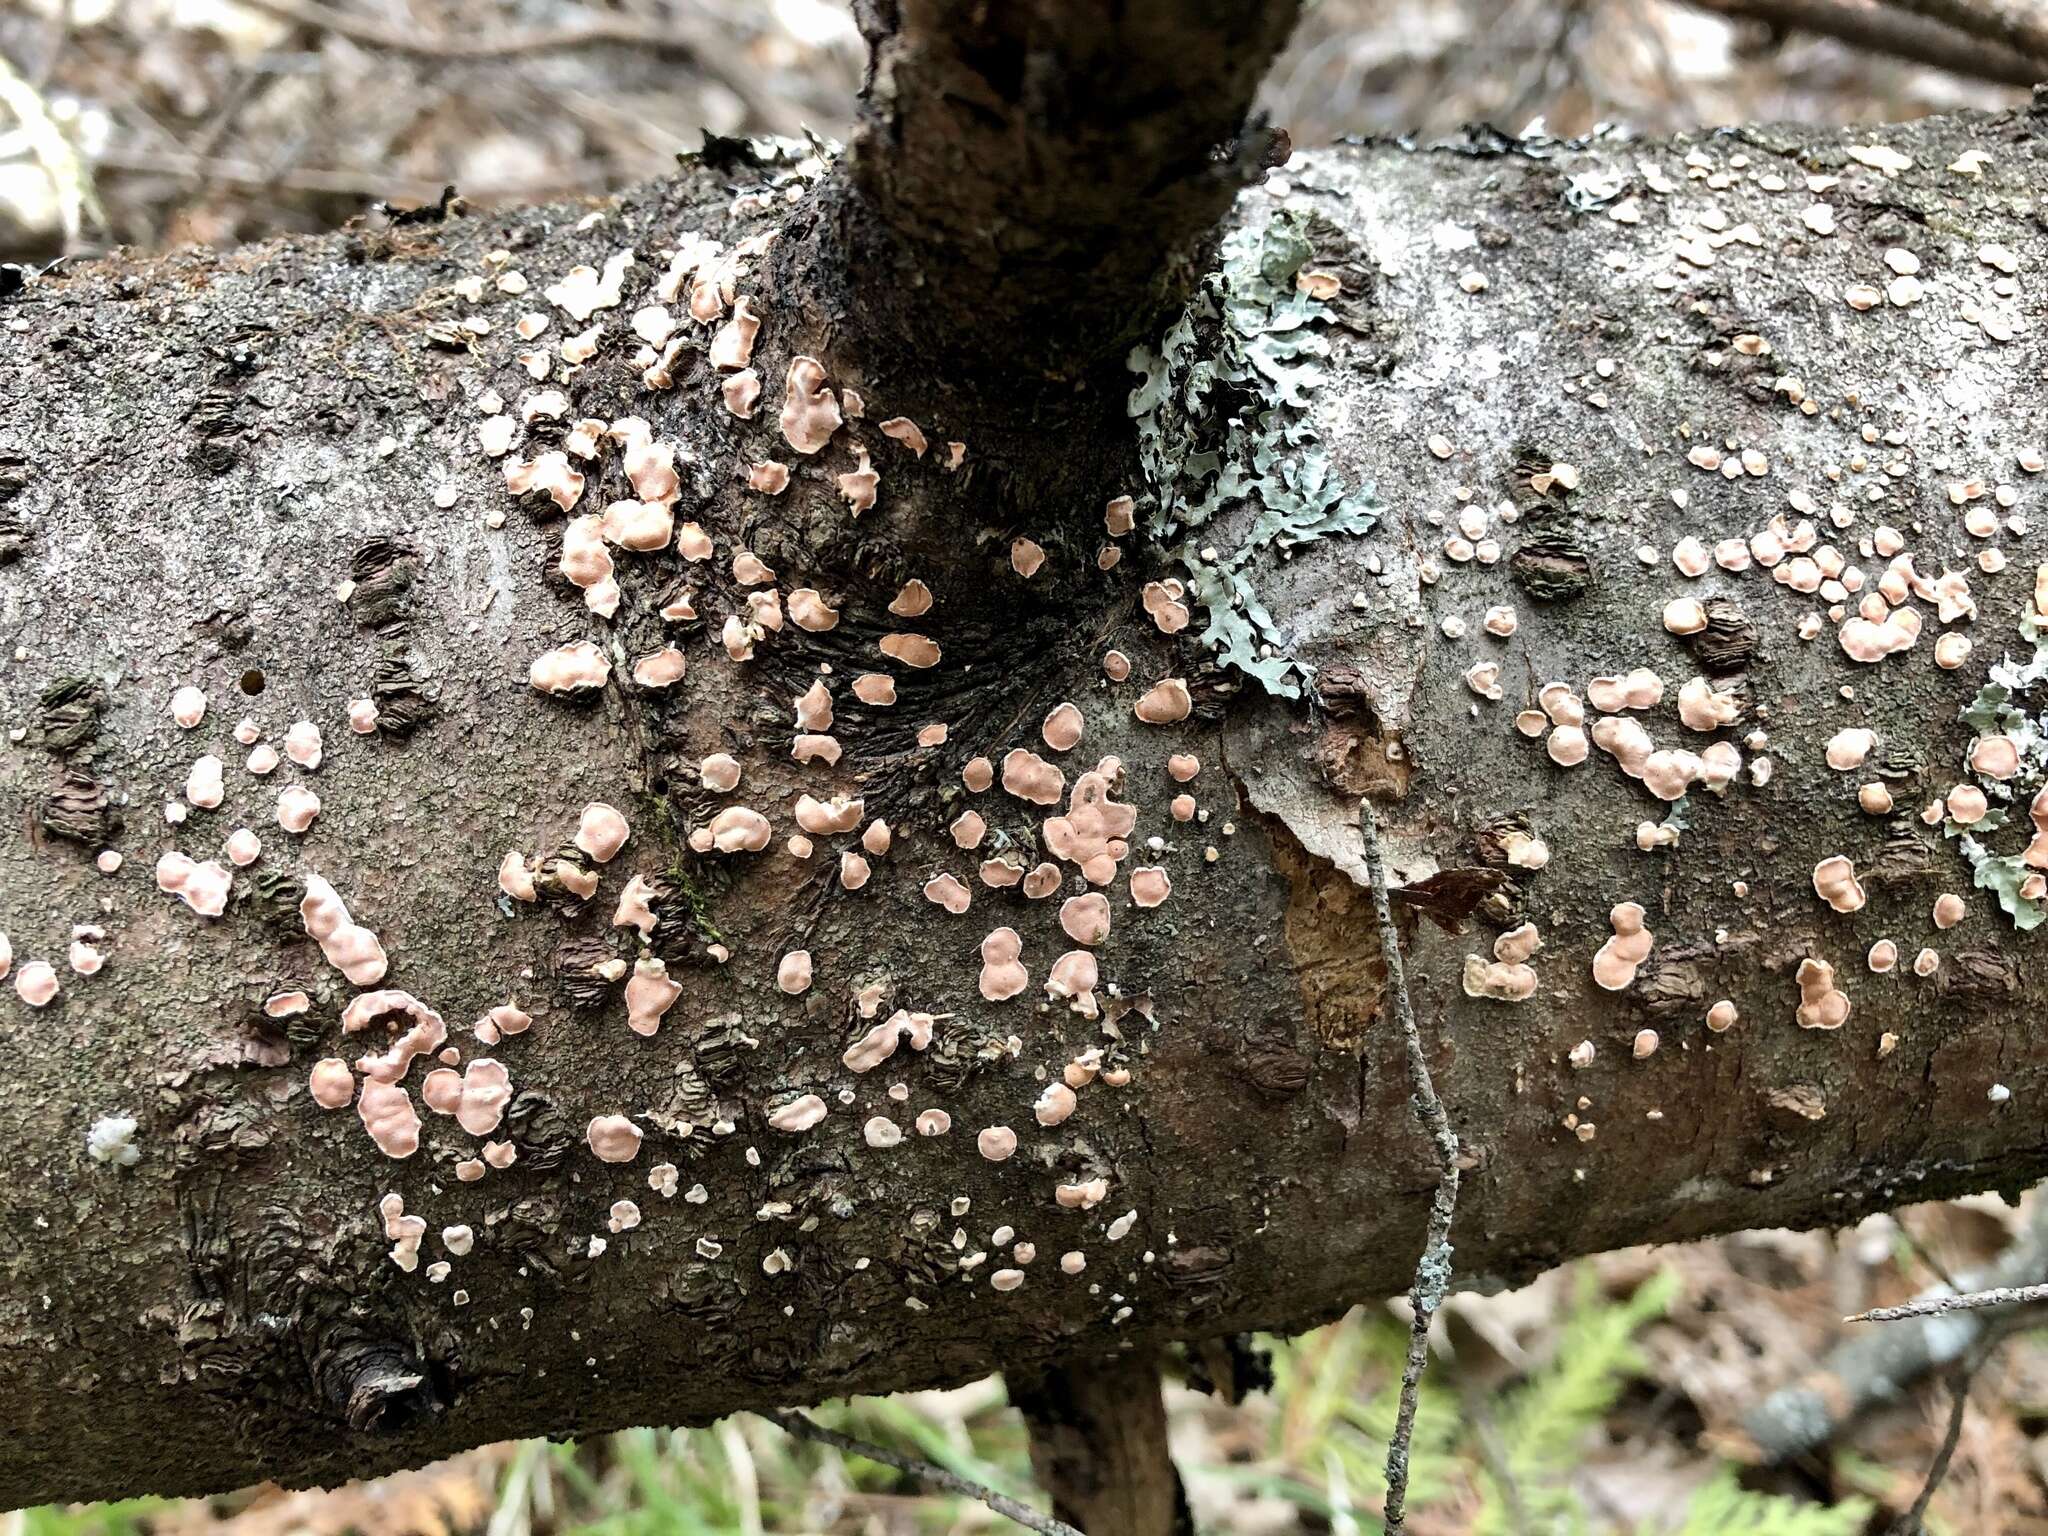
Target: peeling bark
<point x="202" y="450"/>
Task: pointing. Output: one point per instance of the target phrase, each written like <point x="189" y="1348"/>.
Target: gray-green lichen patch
<point x="1231" y="459"/>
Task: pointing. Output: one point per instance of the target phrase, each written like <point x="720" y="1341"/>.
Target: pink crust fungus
<point x="881" y="1133"/>
<point x="1821" y="1005"/>
<point x="1116" y="666"/>
<point x="349" y="948"/>
<point x="36" y="983"/>
<point x="1685" y="616"/>
<point x="861" y="484"/>
<point x="877" y="838"/>
<point x="1967" y="804"/>
<point x="912" y="601"/>
<point x="1722" y="1016"/>
<point x="911" y="649"/>
<point x="934" y="1122"/>
<point x="624" y="1216"/>
<point x="425" y="1034"/>
<point x="733" y="344"/>
<point x="933" y="735"/>
<point x="1149" y="886"/>
<point x="1704" y="707"/>
<point x="996" y="1143"/>
<point x="979" y="773"/>
<point x="739" y="829"/>
<point x="550" y="474"/>
<point x="1834" y="882"/>
<point x="505" y="1019"/>
<point x="1093" y="833"/>
<point x="793" y="973"/>
<point x="302" y="744"/>
<point x="1182" y="767"/>
<point x="1085" y="919"/>
<point x="810" y="612"/>
<point x="811" y="747"/>
<point x="1075" y="975"/>
<point x="1640" y="689"/>
<point x="1883" y="957"/>
<point x="569" y="668"/>
<point x="1996" y="757"/>
<point x="948" y="892"/>
<point x="1119" y="516"/>
<point x="814" y="708"/>
<point x="905" y="431"/>
<point x="1054" y="1104"/>
<point x="1166" y="702"/>
<point x="202" y="887"/>
<point x="362" y="716"/>
<point x="649" y="993"/>
<point x="515" y="879"/>
<point x="1027" y="557"/>
<point x="1002" y="975"/>
<point x="660" y="669"/>
<point x="331" y="1083"/>
<point x="486" y="1090"/>
<point x="1849" y="748"/>
<point x="387" y="1114"/>
<point x="854" y="871"/>
<point x="1062" y="728"/>
<point x="641" y="526"/>
<point x="109" y="862"/>
<point x="810" y="415"/>
<point x="1030" y="777"/>
<point x="1615" y="966"/>
<point x="1042" y="881"/>
<point x="203" y="786"/>
<point x="1949" y="909"/>
<point x="825" y="818"/>
<point x="768" y="477"/>
<point x="188" y="707"/>
<point x="613" y="1138"/>
<point x="601" y="831"/>
<point x="1504" y="981"/>
<point x="875" y="688"/>
<point x="741" y="393"/>
<point x="297" y="806"/>
<point x="880" y="1042"/>
<point x="1182" y="807"/>
<point x="968" y="829"/>
<point x="798" y="1115"/>
<point x="1085" y="1196"/>
<point x="286" y="1005"/>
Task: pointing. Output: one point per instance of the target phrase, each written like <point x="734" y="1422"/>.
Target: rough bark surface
<point x="1098" y="1446"/>
<point x="199" y="451"/>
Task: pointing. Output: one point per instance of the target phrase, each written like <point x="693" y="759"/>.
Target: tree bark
<point x="200" y="452"/>
<point x="1098" y="1447"/>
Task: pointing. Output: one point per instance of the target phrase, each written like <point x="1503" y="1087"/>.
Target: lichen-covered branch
<point x="694" y="874"/>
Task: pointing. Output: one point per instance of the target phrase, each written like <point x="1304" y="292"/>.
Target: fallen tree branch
<point x="1876" y="1366"/>
<point x="1912" y="1522"/>
<point x="2021" y="28"/>
<point x="1433" y="1268"/>
<point x="1890" y="33"/>
<point x="524" y="42"/>
<point x="937" y="1477"/>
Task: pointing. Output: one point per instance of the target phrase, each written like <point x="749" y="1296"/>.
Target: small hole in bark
<point x="251" y="682"/>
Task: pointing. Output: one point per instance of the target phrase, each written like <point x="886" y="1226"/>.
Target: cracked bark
<point x="197" y="451"/>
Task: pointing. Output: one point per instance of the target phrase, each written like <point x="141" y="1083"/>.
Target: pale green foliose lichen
<point x="1223" y="425"/>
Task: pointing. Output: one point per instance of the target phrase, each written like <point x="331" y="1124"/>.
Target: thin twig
<point x="1911" y="1523"/>
<point x="1969" y="1301"/>
<point x="938" y="1477"/>
<point x="1897" y="34"/>
<point x="1433" y="1268"/>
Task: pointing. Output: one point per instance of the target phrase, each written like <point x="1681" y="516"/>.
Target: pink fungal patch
<point x="387" y="1114"/>
<point x="36" y="983"/>
<point x="1002" y="973"/>
<point x="486" y="1090"/>
<point x="601" y="831"/>
<point x="297" y="808"/>
<point x="1616" y="964"/>
<point x="244" y="847"/>
<point x="1062" y="728"/>
<point x="1166" y="702"/>
<point x="948" y="892"/>
<point x="810" y="414"/>
<point x="349" y="948"/>
<point x="1030" y="777"/>
<point x="798" y="1115"/>
<point x="1095" y="830"/>
<point x="203" y="887"/>
<point x="570" y="668"/>
<point x="612" y="1138"/>
<point x="188" y="707"/>
<point x="1085" y="919"/>
<point x="1149" y="886"/>
<point x="331" y="1083"/>
<point x="793" y="972"/>
<point x="203" y="785"/>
